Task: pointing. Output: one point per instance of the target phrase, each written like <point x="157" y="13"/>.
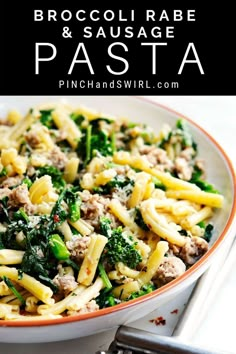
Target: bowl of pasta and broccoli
<point x="109" y="207"/>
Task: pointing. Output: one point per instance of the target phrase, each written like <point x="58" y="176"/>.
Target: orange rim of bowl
<point x="163" y="289"/>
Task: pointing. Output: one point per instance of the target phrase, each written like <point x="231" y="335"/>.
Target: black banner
<point x="154" y="49"/>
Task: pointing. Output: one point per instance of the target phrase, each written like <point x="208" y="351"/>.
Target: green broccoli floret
<point x="119" y="247"/>
<point x="146" y="289"/>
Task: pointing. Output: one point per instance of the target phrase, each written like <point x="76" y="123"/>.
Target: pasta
<point x="91" y="258"/>
<point x="11" y="256"/>
<point x="42" y="292"/>
<point x="95" y="210"/>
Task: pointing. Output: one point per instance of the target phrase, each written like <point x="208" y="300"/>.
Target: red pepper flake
<point x="175" y="311"/>
<point x="88" y="271"/>
<point x="158" y="321"/>
<point x="56" y="218"/>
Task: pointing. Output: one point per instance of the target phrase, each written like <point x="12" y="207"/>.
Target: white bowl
<point x="219" y="172"/>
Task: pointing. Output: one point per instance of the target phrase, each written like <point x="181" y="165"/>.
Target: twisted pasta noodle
<point x="183" y="208"/>
<point x="149" y="189"/>
<point x="76" y="300"/>
<point x="21" y="126"/>
<point x="8" y="298"/>
<point x="159" y="224"/>
<point x="44" y="208"/>
<point x="97" y="164"/>
<point x="31" y="304"/>
<point x="197" y="217"/>
<point x="42" y="190"/>
<point x="10" y="158"/>
<point x="87" y="181"/>
<point x="4" y="290"/>
<point x="125" y="290"/>
<point x="71" y="169"/>
<point x="91" y="292"/>
<point x="91" y="259"/>
<point x="60" y="306"/>
<point x="153" y="263"/>
<point x="6" y="310"/>
<point x="125" y="270"/>
<point x="141" y="163"/>
<point x="13" y="300"/>
<point x="8" y="256"/>
<point x="43" y="136"/>
<point x="82" y="226"/>
<point x="104" y="177"/>
<point x="63" y="121"/>
<point x="65" y="229"/>
<point x="139" y="189"/>
<point x="41" y="291"/>
<point x="123" y="215"/>
<point x="152" y="240"/>
<point x="197" y="196"/>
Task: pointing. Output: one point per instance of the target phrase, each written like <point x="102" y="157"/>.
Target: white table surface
<point x="218" y="116"/>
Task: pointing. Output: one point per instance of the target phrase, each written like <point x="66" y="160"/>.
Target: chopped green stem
<point x="104" y="276"/>
<point x="113" y="142"/>
<point x="13" y="289"/>
<point x="88" y="144"/>
<point x="58" y="247"/>
<point x="3" y="172"/>
<point x="71" y="263"/>
<point x="74" y="208"/>
<point x="22" y="214"/>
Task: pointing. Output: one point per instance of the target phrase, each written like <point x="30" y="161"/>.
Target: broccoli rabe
<point x="95" y="141"/>
<point x="13" y="289"/>
<point x="119" y="248"/>
<point x="104" y="276"/>
<point x="46" y="118"/>
<point x="208" y="230"/>
<point x="106" y="299"/>
<point x="146" y="289"/>
<point x="158" y="184"/>
<point x="181" y="134"/>
<point x="56" y="175"/>
<point x="139" y="220"/>
<point x="101" y="143"/>
<point x="77" y="118"/>
<point x="182" y="130"/>
<point x="74" y="202"/>
<point x="118" y="182"/>
<point x="3" y="172"/>
<point x="203" y="185"/>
